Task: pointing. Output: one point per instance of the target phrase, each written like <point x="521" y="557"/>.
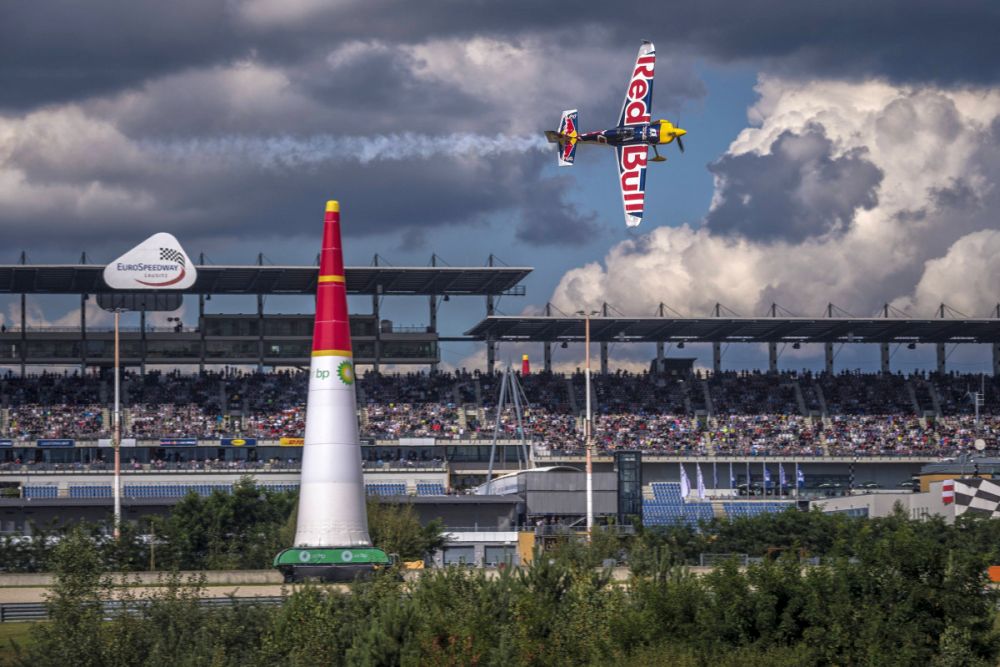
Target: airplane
<point x="631" y="138"/>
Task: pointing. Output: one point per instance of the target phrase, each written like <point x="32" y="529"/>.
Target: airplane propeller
<point x="680" y="144"/>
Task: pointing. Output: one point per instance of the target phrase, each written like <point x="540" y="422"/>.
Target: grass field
<point x="18" y="632"/>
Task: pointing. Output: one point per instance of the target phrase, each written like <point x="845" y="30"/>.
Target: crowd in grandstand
<point x="723" y="414"/>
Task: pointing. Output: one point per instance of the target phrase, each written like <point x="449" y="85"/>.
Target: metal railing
<point x="561" y="529"/>
<point x="39" y="611"/>
<point x="57" y="469"/>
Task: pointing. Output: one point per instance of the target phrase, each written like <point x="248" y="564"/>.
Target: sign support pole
<point x="118" y="438"/>
<point x="157" y="263"/>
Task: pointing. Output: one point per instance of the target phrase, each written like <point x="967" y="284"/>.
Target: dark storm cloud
<point x="902" y="40"/>
<point x="63" y="50"/>
<point x="382" y="197"/>
<point x="922" y="41"/>
<point x="60" y="50"/>
<point x="385" y="96"/>
<point x="959" y="195"/>
<point x="549" y="219"/>
<point x="795" y="192"/>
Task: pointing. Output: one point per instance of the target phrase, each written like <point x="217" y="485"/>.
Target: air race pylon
<point x="331" y="536"/>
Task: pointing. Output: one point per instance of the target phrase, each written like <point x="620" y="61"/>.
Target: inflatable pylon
<point x="331" y="536"/>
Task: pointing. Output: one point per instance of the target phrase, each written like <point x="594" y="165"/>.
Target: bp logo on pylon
<point x="345" y="371"/>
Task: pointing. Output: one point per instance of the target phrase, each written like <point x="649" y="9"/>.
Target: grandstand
<point x="667" y="507"/>
<point x="260" y="339"/>
<point x="233" y="421"/>
<point x="429" y="436"/>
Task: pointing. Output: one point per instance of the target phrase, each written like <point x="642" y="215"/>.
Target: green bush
<point x="915" y="595"/>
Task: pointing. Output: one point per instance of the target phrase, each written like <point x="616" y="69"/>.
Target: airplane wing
<point x="638" y="105"/>
<point x="632" y="181"/>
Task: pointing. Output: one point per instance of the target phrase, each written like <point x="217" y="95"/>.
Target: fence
<point x="39" y="611"/>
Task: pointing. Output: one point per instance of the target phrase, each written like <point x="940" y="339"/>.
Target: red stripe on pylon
<point x="332" y="328"/>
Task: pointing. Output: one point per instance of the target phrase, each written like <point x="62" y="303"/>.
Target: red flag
<point x="948" y="491"/>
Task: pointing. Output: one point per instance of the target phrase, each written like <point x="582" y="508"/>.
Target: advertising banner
<point x="239" y="442"/>
<point x="416" y="442"/>
<point x="108" y="442"/>
<point x="55" y="442"/>
<point x="178" y="442"/>
<point x="6" y="443"/>
<point x="292" y="442"/>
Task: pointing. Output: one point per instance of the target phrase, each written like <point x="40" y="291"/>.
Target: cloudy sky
<point x="842" y="153"/>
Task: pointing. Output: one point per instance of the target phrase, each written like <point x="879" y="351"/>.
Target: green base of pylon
<point x="330" y="563"/>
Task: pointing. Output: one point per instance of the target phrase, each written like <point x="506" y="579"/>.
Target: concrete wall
<point x="916" y="505"/>
<point x="563" y="493"/>
<point x="479" y="548"/>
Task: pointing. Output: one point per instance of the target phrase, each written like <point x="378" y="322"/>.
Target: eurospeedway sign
<point x="157" y="263"/>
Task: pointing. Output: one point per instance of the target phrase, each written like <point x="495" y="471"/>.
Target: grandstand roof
<point x="253" y="279"/>
<point x="738" y="330"/>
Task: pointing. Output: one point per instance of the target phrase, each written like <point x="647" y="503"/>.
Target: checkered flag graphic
<point x="974" y="495"/>
<point x="171" y="255"/>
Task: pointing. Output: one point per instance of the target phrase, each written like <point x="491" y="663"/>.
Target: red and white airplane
<point x="632" y="137"/>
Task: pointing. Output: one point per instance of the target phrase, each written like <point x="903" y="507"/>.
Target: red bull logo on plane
<point x="632" y="168"/>
<point x="636" y="109"/>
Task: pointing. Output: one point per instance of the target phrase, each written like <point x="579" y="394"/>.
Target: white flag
<point x="701" y="483"/>
<point x="685" y="483"/>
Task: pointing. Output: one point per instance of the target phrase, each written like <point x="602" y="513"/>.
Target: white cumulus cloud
<point x="914" y="239"/>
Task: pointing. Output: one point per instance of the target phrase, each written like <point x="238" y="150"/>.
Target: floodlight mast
<point x="588" y="426"/>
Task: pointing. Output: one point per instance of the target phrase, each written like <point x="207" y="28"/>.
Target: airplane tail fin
<point x="566" y="137"/>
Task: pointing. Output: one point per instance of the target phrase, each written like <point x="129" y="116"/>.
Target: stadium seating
<point x="666" y="492"/>
<point x="736" y="510"/>
<point x="147" y="490"/>
<point x="667" y="507"/>
<point x="90" y="491"/>
<point x="430" y="489"/>
<point x="729" y="413"/>
<point x="386" y="489"/>
<point x="41" y="491"/>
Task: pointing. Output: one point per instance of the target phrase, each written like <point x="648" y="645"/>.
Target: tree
<point x="396" y="529"/>
<point x="72" y="635"/>
<point x="241" y="529"/>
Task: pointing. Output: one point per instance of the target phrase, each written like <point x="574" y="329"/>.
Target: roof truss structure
<point x="253" y="279"/>
<point x="737" y="330"/>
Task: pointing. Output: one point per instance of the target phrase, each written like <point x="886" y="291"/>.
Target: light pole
<point x="118" y="436"/>
<point x="588" y="424"/>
